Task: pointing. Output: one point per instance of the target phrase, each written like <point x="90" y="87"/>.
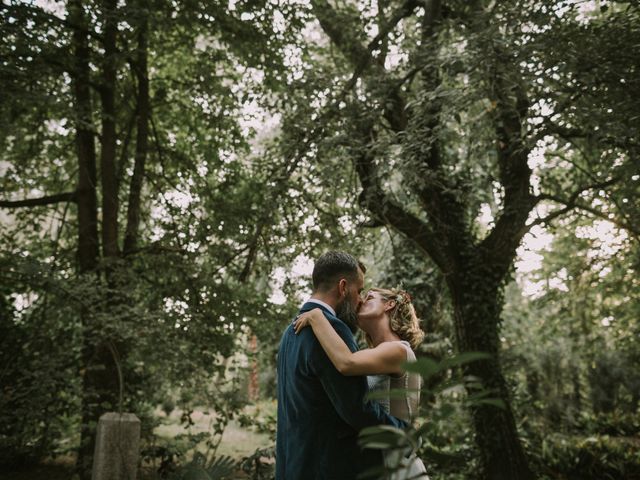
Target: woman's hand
<point x="306" y="319"/>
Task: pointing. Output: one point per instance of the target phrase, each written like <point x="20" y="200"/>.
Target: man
<point x="320" y="411"/>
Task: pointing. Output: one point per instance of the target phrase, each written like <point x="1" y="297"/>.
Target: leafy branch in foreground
<point x="403" y="445"/>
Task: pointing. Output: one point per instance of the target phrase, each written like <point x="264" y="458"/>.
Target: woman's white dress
<point x="404" y="408"/>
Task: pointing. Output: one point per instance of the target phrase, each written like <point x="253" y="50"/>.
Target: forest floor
<point x="237" y="442"/>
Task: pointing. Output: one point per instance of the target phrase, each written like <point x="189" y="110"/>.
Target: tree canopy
<point x="170" y="168"/>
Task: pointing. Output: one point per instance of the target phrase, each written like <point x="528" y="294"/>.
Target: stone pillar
<point x="117" y="447"/>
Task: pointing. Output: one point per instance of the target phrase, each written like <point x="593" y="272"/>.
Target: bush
<point x="594" y="457"/>
<point x="261" y="419"/>
<point x="39" y="398"/>
<point x="260" y="465"/>
<point x="615" y="424"/>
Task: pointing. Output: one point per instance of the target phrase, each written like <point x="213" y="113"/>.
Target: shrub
<point x="594" y="457"/>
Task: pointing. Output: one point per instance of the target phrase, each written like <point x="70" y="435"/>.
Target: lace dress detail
<point x="405" y="408"/>
<point x="380" y="383"/>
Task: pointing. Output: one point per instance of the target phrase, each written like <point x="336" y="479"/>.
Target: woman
<point x="392" y="331"/>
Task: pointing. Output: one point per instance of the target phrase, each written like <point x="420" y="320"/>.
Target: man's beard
<point x="348" y="314"/>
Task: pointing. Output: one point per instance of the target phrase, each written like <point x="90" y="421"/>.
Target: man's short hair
<point x="331" y="267"/>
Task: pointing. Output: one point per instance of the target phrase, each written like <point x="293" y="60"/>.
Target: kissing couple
<point x="323" y="379"/>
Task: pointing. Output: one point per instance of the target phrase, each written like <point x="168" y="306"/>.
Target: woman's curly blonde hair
<point x="402" y="317"/>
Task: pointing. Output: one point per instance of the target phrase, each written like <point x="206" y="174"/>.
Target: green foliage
<point x="440" y="439"/>
<point x="40" y="386"/>
<point x="599" y="457"/>
<point x="200" y="468"/>
<point x="231" y="201"/>
<point x="616" y="424"/>
<point x="177" y="304"/>
<point x="571" y="343"/>
<point x="260" y="465"/>
<point x="262" y="419"/>
<point x="569" y="357"/>
<point x="448" y="449"/>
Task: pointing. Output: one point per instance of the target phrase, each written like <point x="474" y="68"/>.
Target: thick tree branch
<point x="402" y="12"/>
<point x="387" y="211"/>
<point x="142" y="138"/>
<point x="253" y="253"/>
<point x="122" y="162"/>
<point x="85" y="142"/>
<point x="502" y="241"/>
<point x="427" y="121"/>
<point x="509" y="96"/>
<point x="547" y="219"/>
<point x="550" y="128"/>
<point x="439" y="191"/>
<point x="338" y="27"/>
<point x="383" y="208"/>
<point x="572" y="202"/>
<point x="576" y="194"/>
<point x="36" y="202"/>
<point x="382" y="23"/>
<point x="572" y="134"/>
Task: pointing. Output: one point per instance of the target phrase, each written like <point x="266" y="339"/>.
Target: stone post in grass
<point x="117" y="447"/>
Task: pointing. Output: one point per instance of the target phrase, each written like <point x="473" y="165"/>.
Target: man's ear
<point x="342" y="287"/>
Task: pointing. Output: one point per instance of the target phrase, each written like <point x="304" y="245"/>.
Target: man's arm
<point x="347" y="394"/>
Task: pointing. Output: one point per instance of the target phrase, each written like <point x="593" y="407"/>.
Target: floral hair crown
<point x="402" y="297"/>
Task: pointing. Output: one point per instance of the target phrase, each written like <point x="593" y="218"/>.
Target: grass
<point x="237" y="442"/>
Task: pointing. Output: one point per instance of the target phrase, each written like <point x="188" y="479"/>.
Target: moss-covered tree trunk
<point x="477" y="303"/>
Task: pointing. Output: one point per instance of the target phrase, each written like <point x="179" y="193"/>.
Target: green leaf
<point x="424" y="366"/>
<point x="494" y="402"/>
<point x="465" y="358"/>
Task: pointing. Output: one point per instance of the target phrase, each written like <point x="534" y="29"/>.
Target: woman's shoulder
<point x="391" y="351"/>
<point x="411" y="356"/>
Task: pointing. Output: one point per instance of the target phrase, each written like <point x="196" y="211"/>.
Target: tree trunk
<point x="475" y="294"/>
<point x="142" y="137"/>
<point x="88" y="246"/>
<point x="576" y="396"/>
<point x="99" y="375"/>
<point x="108" y="150"/>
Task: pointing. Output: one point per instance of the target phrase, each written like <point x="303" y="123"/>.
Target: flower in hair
<point x="403" y="297"/>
